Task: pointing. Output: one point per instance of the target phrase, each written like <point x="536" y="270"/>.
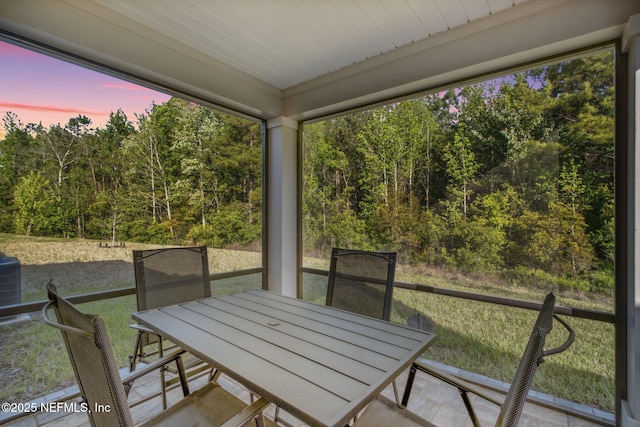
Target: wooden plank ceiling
<point x="287" y="42"/>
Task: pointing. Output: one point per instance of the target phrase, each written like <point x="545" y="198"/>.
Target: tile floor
<point x="432" y="399"/>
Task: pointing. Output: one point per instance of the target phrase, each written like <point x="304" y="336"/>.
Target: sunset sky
<point x="38" y="88"/>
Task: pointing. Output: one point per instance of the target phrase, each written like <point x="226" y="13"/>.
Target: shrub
<point x="201" y="235"/>
<point x="602" y="282"/>
<point x="532" y="278"/>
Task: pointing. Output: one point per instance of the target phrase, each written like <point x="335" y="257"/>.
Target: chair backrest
<point x="532" y="357"/>
<point x="362" y="282"/>
<point x="170" y="276"/>
<point x="95" y="367"/>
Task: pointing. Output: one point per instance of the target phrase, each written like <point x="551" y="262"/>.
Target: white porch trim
<point x="630" y="416"/>
<point x="282" y="204"/>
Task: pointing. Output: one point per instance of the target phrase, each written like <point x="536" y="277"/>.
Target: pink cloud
<point x="48" y="108"/>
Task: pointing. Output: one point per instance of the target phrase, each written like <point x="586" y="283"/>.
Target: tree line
<point x="511" y="176"/>
<point x="185" y="174"/>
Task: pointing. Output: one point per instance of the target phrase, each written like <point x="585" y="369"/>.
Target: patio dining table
<point x="321" y="364"/>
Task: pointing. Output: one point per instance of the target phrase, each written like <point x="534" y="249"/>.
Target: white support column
<point x="282" y="205"/>
<point x="630" y="416"/>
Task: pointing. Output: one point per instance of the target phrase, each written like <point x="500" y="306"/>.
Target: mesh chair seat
<point x="385" y="412"/>
<point x="98" y="378"/>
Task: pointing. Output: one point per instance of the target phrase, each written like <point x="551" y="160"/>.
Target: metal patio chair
<point x="101" y="386"/>
<point x="360" y="282"/>
<point x="383" y="412"/>
<point x="165" y="277"/>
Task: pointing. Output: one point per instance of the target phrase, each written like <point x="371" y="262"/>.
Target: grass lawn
<point x="475" y="336"/>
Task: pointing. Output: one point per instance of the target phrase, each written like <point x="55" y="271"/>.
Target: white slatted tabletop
<point x="321" y="364"/>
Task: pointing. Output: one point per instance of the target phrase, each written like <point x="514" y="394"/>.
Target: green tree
<point x="193" y="143"/>
<point x="581" y="107"/>
<point x="15" y="161"/>
<point x="431" y="233"/>
<point x="237" y="156"/>
<point x="330" y="184"/>
<point x="110" y="195"/>
<point x="36" y="206"/>
<point x="461" y="171"/>
<point x="381" y="155"/>
<point x="555" y="241"/>
<point x="147" y="174"/>
<point x="481" y="246"/>
<point x="485" y="236"/>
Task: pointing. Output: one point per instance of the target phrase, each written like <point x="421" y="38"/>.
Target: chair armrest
<point x="247" y="414"/>
<point x="458" y="382"/>
<point x="142" y="328"/>
<point x="157" y="364"/>
<point x="566" y="344"/>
